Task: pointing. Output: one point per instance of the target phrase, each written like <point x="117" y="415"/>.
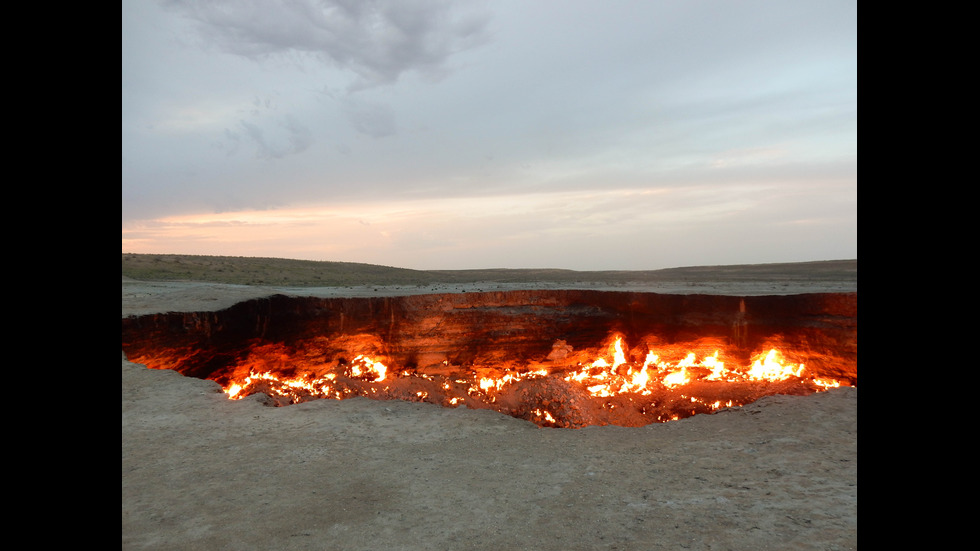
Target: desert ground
<point x="200" y="471"/>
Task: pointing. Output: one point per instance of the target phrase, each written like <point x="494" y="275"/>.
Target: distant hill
<point x="243" y="270"/>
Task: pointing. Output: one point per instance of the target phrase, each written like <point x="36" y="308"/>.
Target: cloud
<point x="372" y="119"/>
<point x="728" y="131"/>
<point x="378" y="40"/>
<point x="289" y="137"/>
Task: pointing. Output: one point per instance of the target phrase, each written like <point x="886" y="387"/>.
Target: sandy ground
<point x="200" y="471"/>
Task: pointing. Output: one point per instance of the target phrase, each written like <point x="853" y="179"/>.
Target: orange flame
<point x="366" y="367"/>
<point x="611" y="374"/>
<point x="770" y="368"/>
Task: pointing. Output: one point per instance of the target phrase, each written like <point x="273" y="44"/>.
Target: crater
<point x="557" y="358"/>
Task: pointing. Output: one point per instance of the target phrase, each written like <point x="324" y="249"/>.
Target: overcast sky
<point x="589" y="135"/>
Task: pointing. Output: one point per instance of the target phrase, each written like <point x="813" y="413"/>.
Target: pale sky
<point x="579" y="134"/>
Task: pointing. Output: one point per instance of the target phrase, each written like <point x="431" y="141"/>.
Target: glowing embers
<point x="293" y="389"/>
<point x="647" y="384"/>
<point x="604" y="379"/>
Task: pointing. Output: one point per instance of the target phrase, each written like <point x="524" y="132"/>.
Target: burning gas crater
<point x="556" y="358"/>
<point x="612" y="389"/>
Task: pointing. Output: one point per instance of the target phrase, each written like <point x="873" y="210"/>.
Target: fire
<point x="639" y="380"/>
<point x="489" y="384"/>
<point x="617" y="380"/>
<point x="826" y="383"/>
<point x="676" y="378"/>
<point x="771" y="368"/>
<point x="233" y="389"/>
<point x="544" y="414"/>
<point x="364" y="366"/>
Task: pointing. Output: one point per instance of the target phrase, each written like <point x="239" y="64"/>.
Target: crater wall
<point x="430" y="332"/>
